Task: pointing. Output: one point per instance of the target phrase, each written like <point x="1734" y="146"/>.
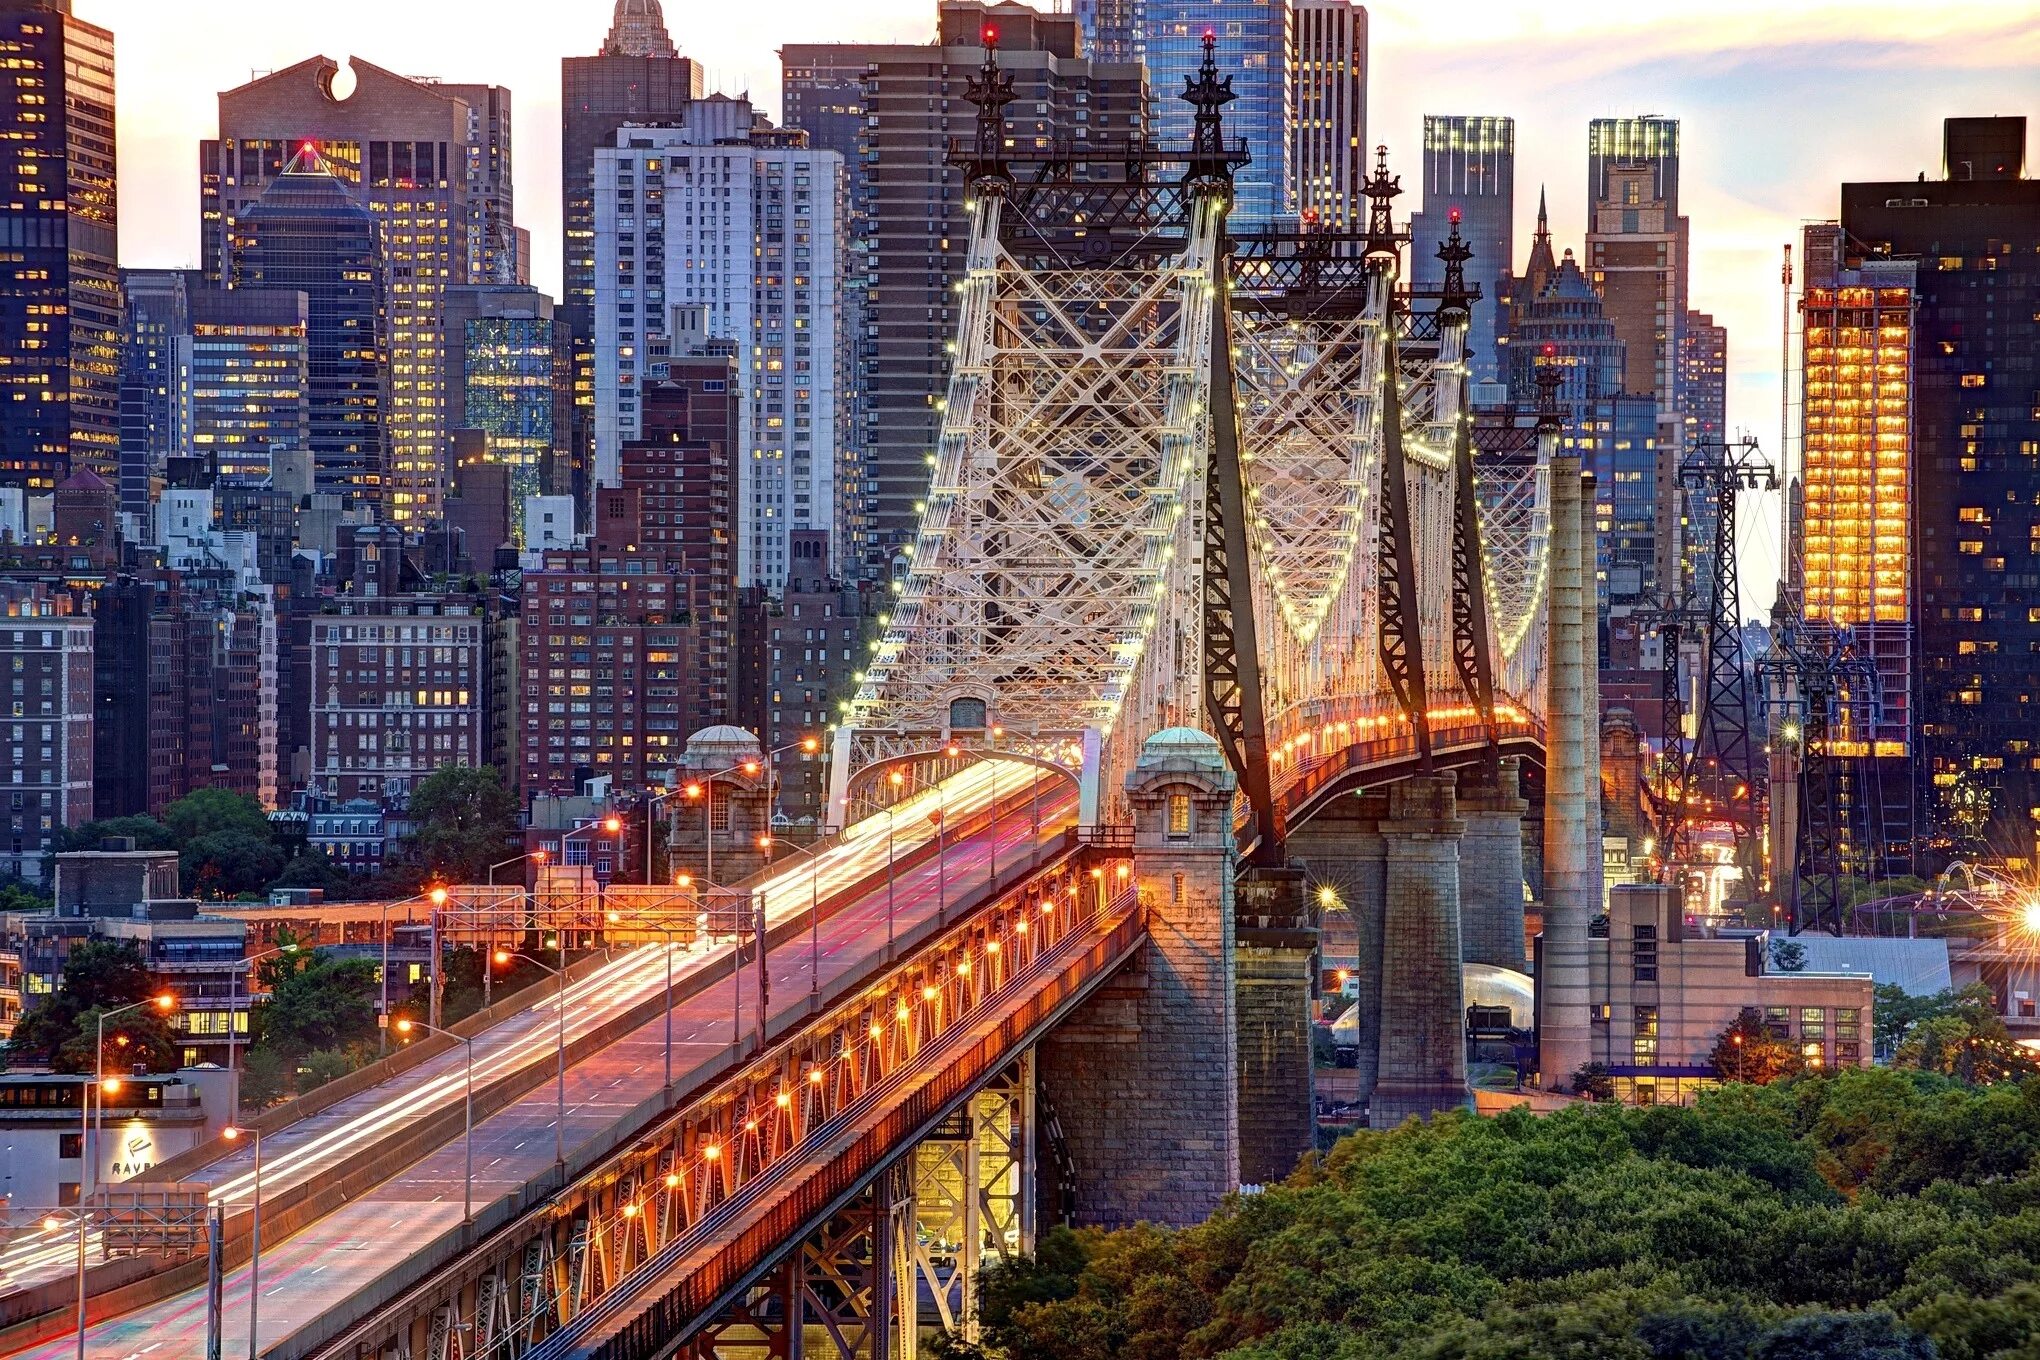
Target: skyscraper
<point x="249" y="378"/>
<point x="1470" y="170"/>
<point x="906" y="225"/>
<point x="60" y="322"/>
<point x="1328" y="94"/>
<point x="155" y="363"/>
<point x="307" y="234"/>
<point x="431" y="163"/>
<point x="1703" y="416"/>
<point x="509" y="366"/>
<point x="1975" y="442"/>
<point x="1637" y="245"/>
<point x="1114" y="30"/>
<point x="638" y="77"/>
<point x="738" y="221"/>
<point x="1253" y="48"/>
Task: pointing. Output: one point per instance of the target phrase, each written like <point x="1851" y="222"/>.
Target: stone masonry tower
<point x="1145" y="1075"/>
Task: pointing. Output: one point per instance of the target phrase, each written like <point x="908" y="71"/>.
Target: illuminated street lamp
<point x="560" y="1082"/>
<point x="467" y="1133"/>
<point x="231" y="1133"/>
<point x="164" y="1002"/>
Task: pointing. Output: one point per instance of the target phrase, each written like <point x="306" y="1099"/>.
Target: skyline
<point x="1732" y="84"/>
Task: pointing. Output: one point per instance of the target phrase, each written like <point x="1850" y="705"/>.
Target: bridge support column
<point x="1343" y="851"/>
<point x="1145" y="1074"/>
<point x="1277" y="930"/>
<point x="1491" y="868"/>
<point x="1564" y="1029"/>
<point x="714" y="835"/>
<point x="1423" y="992"/>
<point x="973" y="1193"/>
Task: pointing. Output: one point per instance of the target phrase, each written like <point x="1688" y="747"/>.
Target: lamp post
<point x="524" y="890"/>
<point x="467" y="1131"/>
<point x="560" y="1082"/>
<point x="81" y="1218"/>
<point x="254" y="1238"/>
<point x="164" y="1002"/>
<point x="611" y="824"/>
<point x="766" y="844"/>
<point x="438" y="898"/>
<point x="704" y="789"/>
<point x="614" y="918"/>
<point x="383" y="1020"/>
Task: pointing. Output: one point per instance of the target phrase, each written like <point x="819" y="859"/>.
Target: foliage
<point x="1593" y="1082"/>
<point x="18" y="896"/>
<point x="138" y="1040"/>
<point x="1876" y="1214"/>
<point x="320" y="1066"/>
<point x="314" y="868"/>
<point x="1748" y="1051"/>
<point x="146" y="831"/>
<point x="315" y="1002"/>
<point x="1788" y="956"/>
<point x="98" y="975"/>
<point x="228" y="862"/>
<point x="466" y="820"/>
<point x="205" y="812"/>
<point x="265" y="1078"/>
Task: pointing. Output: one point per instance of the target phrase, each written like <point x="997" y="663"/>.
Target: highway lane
<point x="314" y="1145"/>
<point x="329" y="1259"/>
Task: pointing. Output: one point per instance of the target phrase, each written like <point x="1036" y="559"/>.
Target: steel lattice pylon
<point x="1132" y="387"/>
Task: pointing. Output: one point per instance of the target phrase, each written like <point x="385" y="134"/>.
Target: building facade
<point x="400" y="687"/>
<point x="1328" y="99"/>
<point x="431" y="165"/>
<point x="307" y="235"/>
<point x="1975" y="439"/>
<point x="46" y="781"/>
<point x="1470" y="177"/>
<point x="250" y="375"/>
<point x="725" y="215"/>
<point x="1254" y="43"/>
<point x="60" y="313"/>
<point x="155" y="414"/>
<point x="510" y="377"/>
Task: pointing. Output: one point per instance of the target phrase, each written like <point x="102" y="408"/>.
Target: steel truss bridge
<point x="1186" y="477"/>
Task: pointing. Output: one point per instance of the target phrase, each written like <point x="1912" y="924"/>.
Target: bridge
<point x="1217" y="598"/>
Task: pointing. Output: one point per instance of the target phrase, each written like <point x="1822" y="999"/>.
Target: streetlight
<point x="488" y="974"/>
<point x="438" y="897"/>
<point x="467" y="1132"/>
<point x="230" y="1133"/>
<point x="765" y="843"/>
<point x="164" y="1002"/>
<point x="82" y="1217"/>
<point x="703" y="788"/>
<point x="560" y="1084"/>
<point x="613" y="918"/>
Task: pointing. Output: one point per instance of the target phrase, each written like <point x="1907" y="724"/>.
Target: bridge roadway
<point x="374" y="1238"/>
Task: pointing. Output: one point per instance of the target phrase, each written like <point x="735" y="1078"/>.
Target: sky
<point x="1780" y="101"/>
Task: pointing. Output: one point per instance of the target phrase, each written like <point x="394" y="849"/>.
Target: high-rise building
<point x="431" y="164"/>
<point x="155" y="414"/>
<point x="1470" y="177"/>
<point x="738" y="221"/>
<point x="60" y="320"/>
<point x="1975" y="440"/>
<point x="46" y="781"/>
<point x="399" y="688"/>
<point x="1328" y="94"/>
<point x="906" y="225"/>
<point x="509" y="375"/>
<point x="637" y="78"/>
<point x="308" y="235"/>
<point x="249" y="377"/>
<point x="1637" y="256"/>
<point x="1254" y="44"/>
<point x="1703" y="415"/>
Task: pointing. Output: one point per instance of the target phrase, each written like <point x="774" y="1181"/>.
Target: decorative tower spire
<point x="1549" y="379"/>
<point x="1210" y="165"/>
<point x="991" y="90"/>
<point x="1541" y="266"/>
<point x="638" y="30"/>
<point x="1382" y="242"/>
<point x="1456" y="305"/>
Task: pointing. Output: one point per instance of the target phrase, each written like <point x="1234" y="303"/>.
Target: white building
<point x="725" y="212"/>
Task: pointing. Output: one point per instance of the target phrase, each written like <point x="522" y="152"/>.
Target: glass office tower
<point x="1253" y="48"/>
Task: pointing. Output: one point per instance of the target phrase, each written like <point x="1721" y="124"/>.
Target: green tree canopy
<point x="147" y="832"/>
<point x="203" y="812"/>
<point x="315" y="1002"/>
<point x="98" y="975"/>
<point x="466" y="822"/>
<point x="316" y="869"/>
<point x="1748" y="1051"/>
<point x="228" y="862"/>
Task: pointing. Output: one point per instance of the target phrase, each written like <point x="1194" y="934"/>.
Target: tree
<point x="1593" y="1082"/>
<point x="1788" y="956"/>
<point x="205" y="811"/>
<point x="265" y="1078"/>
<point x="146" y="832"/>
<point x="140" y="1039"/>
<point x="315" y="1002"/>
<point x="1748" y="1051"/>
<point x="98" y="975"/>
<point x="1968" y="1041"/>
<point x="1842" y="1336"/>
<point x="466" y="821"/>
<point x="228" y="862"/>
<point x="316" y="869"/>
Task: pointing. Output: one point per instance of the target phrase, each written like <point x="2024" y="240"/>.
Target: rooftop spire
<point x="991" y="90"/>
<point x="638" y="30"/>
<point x="1208" y="94"/>
<point x="1541" y="267"/>
<point x="1381" y="189"/>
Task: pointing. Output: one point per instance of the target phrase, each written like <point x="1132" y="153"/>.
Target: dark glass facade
<point x="307" y="234"/>
<point x="1470" y="168"/>
<point x="1253" y="48"/>
<point x="60" y="341"/>
<point x="1975" y="237"/>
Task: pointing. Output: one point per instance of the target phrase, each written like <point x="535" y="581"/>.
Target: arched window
<point x="967" y="715"/>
